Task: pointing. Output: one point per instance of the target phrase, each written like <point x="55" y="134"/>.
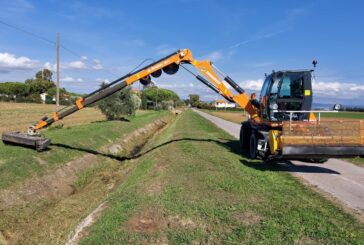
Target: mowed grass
<point x="344" y="115"/>
<point x="358" y="161"/>
<point x="233" y="116"/>
<point x="193" y="187"/>
<point x="18" y="163"/>
<point x="19" y="116"/>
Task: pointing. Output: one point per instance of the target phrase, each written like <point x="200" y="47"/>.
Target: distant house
<point x="224" y="104"/>
<point x="47" y="98"/>
<point x="43" y="97"/>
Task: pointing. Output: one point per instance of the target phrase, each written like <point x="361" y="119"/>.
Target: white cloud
<point x="50" y="66"/>
<point x="97" y="65"/>
<point x="214" y="56"/>
<point x="253" y="85"/>
<point x="337" y="89"/>
<point x="75" y="65"/>
<point x="68" y="79"/>
<point x="10" y="62"/>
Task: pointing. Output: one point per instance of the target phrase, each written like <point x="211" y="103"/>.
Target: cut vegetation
<point x="192" y="186"/>
<point x="44" y="195"/>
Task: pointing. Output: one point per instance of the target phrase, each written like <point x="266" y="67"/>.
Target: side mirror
<point x="337" y="107"/>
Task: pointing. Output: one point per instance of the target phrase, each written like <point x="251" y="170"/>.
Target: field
<point x="344" y="115"/>
<point x="233" y="116"/>
<point x="19" y="116"/>
<point x="239" y="116"/>
<point x="55" y="188"/>
<point x="161" y="187"/>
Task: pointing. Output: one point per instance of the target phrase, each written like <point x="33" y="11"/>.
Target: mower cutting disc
<point x="36" y="142"/>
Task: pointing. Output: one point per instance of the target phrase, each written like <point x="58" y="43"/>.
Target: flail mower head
<point x="36" y="142"/>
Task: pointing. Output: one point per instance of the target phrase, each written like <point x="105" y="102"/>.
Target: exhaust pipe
<point x="38" y="143"/>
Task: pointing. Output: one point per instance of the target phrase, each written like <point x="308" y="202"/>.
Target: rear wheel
<point x="253" y="143"/>
<point x="318" y="160"/>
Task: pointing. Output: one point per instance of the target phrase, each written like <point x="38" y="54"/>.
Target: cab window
<point x="292" y="87"/>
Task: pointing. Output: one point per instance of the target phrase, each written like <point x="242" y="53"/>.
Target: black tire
<point x="244" y="138"/>
<point x="253" y="143"/>
<point x="319" y="160"/>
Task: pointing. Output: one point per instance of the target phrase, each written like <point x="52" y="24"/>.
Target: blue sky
<point x="245" y="39"/>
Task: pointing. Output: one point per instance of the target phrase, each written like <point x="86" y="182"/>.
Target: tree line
<point x="128" y="101"/>
<point x="32" y="88"/>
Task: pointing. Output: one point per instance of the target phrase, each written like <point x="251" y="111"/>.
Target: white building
<point x="43" y="97"/>
<point x="224" y="104"/>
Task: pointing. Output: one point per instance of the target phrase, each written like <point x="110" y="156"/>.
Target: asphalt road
<point x="340" y="179"/>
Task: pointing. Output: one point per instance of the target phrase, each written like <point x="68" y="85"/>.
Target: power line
<point x="27" y="32"/>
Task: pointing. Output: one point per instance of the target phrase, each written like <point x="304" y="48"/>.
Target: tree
<point x="14" y="88"/>
<point x="157" y="95"/>
<point x="194" y="100"/>
<point x="120" y="104"/>
<point x="45" y="74"/>
<point x="53" y="90"/>
<point x="41" y="83"/>
<point x="137" y="102"/>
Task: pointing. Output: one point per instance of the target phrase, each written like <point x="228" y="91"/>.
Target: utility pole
<point x="57" y="93"/>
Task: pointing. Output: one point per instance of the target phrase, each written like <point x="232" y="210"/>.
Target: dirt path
<point x="342" y="180"/>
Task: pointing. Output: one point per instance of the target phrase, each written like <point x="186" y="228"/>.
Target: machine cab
<point x="284" y="91"/>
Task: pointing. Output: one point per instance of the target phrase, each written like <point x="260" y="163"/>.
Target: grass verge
<point x="18" y="164"/>
<point x="233" y="116"/>
<point x="193" y="186"/>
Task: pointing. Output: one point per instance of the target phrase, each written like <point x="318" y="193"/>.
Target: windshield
<point x="286" y="88"/>
<point x="292" y="86"/>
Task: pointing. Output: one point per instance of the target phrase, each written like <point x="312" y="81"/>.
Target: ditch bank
<point x="59" y="199"/>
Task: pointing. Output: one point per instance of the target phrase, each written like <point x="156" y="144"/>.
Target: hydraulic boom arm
<point x="169" y="65"/>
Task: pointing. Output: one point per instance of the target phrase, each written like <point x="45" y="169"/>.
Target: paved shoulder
<point x="341" y="179"/>
<point x="231" y="128"/>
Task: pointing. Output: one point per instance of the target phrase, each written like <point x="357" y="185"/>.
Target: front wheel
<point x="244" y="138"/>
<point x="253" y="144"/>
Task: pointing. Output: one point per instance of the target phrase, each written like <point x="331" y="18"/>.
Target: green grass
<point x="348" y="115"/>
<point x="357" y="160"/>
<point x="209" y="194"/>
<point x="18" y="164"/>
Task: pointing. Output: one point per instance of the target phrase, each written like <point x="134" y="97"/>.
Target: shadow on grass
<point x="286" y="166"/>
<point x="230" y="145"/>
<point x="123" y="119"/>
